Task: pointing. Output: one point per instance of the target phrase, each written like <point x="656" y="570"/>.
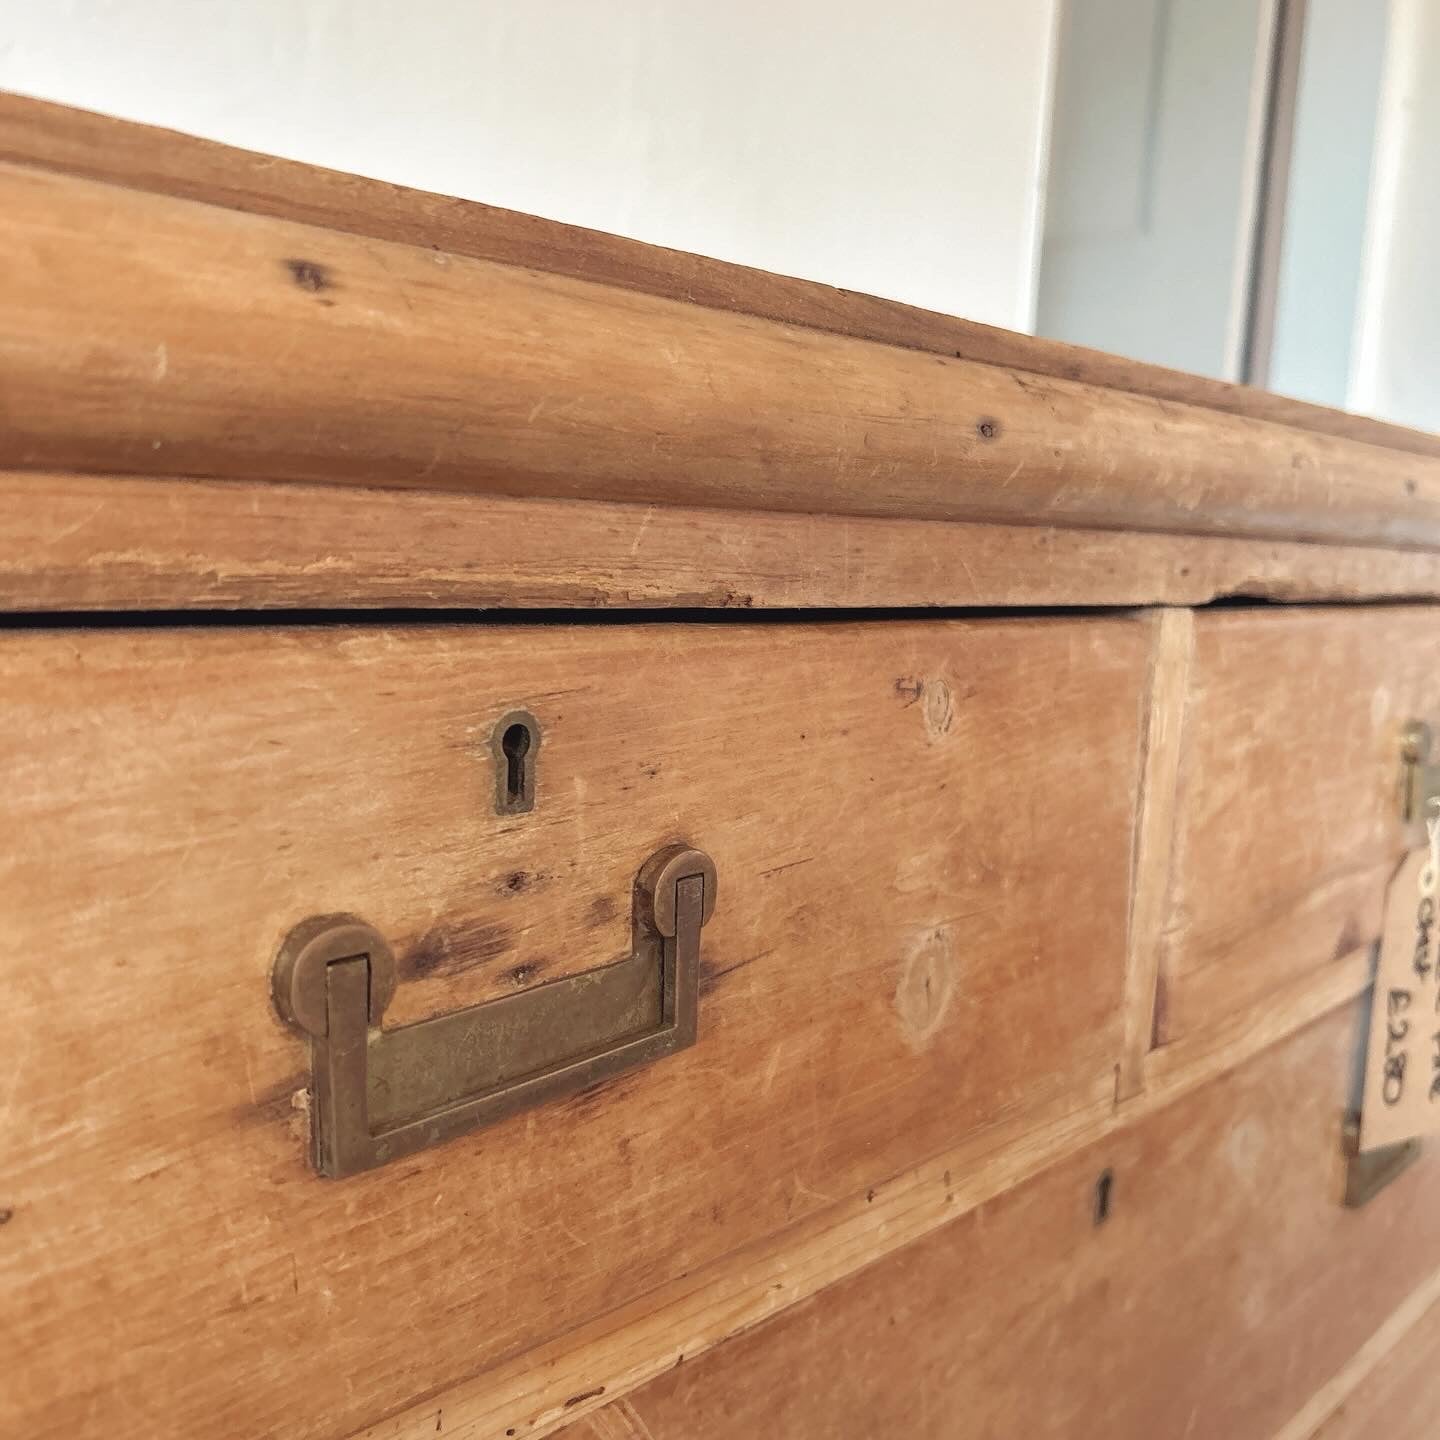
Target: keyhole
<point x="517" y="741"/>
<point x="1104" y="1193"/>
<point x="516" y="745"/>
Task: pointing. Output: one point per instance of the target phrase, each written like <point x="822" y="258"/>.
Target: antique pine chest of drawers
<point x="600" y="843"/>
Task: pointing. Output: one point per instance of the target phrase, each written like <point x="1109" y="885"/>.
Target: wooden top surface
<point x="280" y="337"/>
<point x="145" y="157"/>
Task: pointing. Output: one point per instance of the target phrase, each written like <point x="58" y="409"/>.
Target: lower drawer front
<point x="1223" y="1287"/>
<point x="922" y="832"/>
<point x="1400" y="1397"/>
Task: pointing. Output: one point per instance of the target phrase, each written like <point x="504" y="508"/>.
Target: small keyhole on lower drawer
<point x="517" y="742"/>
<point x="1104" y="1193"/>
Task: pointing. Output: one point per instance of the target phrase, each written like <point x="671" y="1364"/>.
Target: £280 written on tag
<point x="1402" y="1064"/>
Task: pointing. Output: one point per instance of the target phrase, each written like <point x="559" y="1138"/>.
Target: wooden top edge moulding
<point x="180" y="310"/>
<point x="148" y="157"/>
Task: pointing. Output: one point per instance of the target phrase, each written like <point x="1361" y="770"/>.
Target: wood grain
<point x="1197" y="1306"/>
<point x="106" y="542"/>
<point x="165" y="162"/>
<point x="217" y="343"/>
<point x="1398" y="1400"/>
<point x="1230" y="1039"/>
<point x="537" y="1393"/>
<point x="1389" y="1387"/>
<point x="920" y="937"/>
<point x="1174" y="638"/>
<point x="866" y="1202"/>
<point x="1289" y="827"/>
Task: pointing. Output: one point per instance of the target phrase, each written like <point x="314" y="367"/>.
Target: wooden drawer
<point x="1399" y="1396"/>
<point x="1224" y="1286"/>
<point x="1287" y="826"/>
<point x="923" y="835"/>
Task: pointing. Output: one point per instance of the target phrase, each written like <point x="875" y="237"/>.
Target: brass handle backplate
<point x="378" y="1094"/>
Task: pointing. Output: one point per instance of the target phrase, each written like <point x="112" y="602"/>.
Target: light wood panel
<point x="537" y="1393"/>
<point x="920" y="936"/>
<point x="1173" y="639"/>
<point x="1288" y="826"/>
<point x="87" y="542"/>
<point x="216" y="343"/>
<point x="1400" y="1398"/>
<point x="1201" y="1305"/>
<point x="1387" y="1387"/>
<point x="57" y="137"/>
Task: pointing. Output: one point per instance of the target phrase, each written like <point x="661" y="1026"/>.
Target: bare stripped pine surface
<point x="1173" y="640"/>
<point x="1224" y="1285"/>
<point x="867" y="1201"/>
<point x="33" y="132"/>
<point x="1171" y="1069"/>
<point x="920" y="937"/>
<point x="217" y="343"/>
<point x="1288" y="794"/>
<point x="83" y="542"/>
<point x="1388" y="1386"/>
<point x="538" y="1393"/>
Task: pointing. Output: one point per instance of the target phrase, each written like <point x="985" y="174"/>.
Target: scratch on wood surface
<point x="646" y="520"/>
<point x="249" y="1072"/>
<point x="65" y="532"/>
<point x="620" y="1421"/>
<point x="969" y="574"/>
<point x="772" y="1068"/>
<point x="23" y="1041"/>
<point x="807" y="1192"/>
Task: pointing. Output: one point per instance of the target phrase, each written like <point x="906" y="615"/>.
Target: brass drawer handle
<point x="381" y="1094"/>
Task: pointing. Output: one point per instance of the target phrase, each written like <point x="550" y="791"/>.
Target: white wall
<point x="1397" y="367"/>
<point x="1327" y="195"/>
<point x="1158" y="123"/>
<point x="893" y="146"/>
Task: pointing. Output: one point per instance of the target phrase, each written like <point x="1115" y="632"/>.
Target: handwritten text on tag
<point x="1402" y="1065"/>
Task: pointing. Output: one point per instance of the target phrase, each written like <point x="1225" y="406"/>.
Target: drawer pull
<point x="1419" y="777"/>
<point x="379" y="1094"/>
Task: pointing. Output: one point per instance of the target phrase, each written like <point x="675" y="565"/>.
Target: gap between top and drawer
<point x="492" y="618"/>
<point x="80" y="543"/>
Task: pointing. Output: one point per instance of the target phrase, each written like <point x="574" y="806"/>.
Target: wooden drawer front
<point x="1225" y="1287"/>
<point x="1287" y="821"/>
<point x="923" y="834"/>
<point x="1398" y="1398"/>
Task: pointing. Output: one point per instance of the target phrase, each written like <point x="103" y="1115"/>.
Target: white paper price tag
<point x="1402" y="1065"/>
